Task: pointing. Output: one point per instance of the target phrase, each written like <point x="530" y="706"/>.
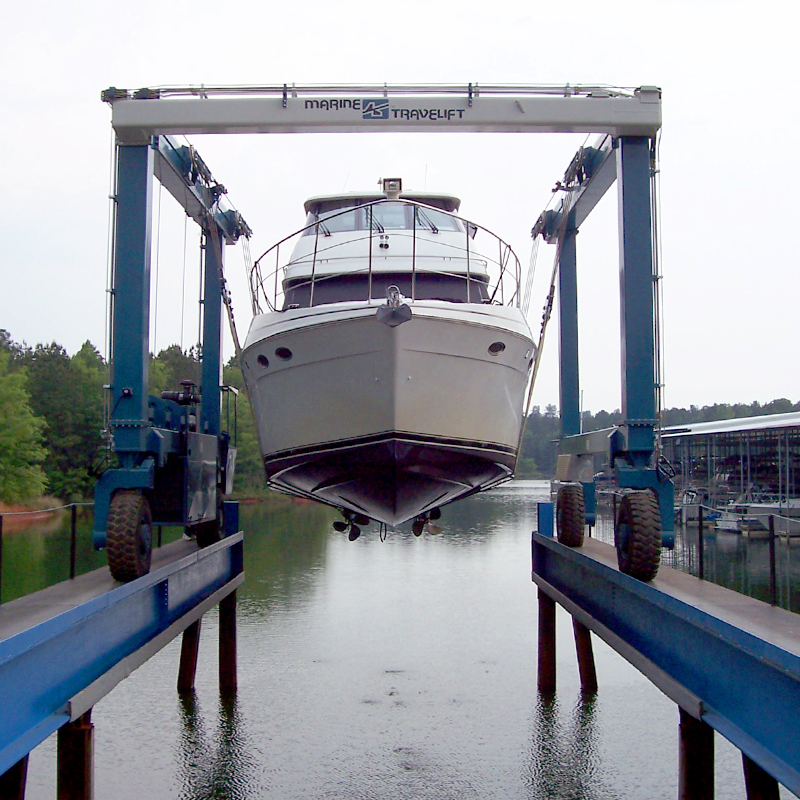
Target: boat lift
<point x="645" y="521"/>
<point x="176" y="461"/>
<point x="144" y="121"/>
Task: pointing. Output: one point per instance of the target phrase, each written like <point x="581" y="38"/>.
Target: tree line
<point x="52" y="438"/>
<point x="52" y="416"/>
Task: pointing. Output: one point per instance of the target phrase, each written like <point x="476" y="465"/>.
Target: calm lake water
<point x="403" y="668"/>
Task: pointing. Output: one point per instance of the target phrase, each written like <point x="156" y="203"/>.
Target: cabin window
<point x="431" y="220"/>
<point x="338" y="222"/>
<point x="389" y="216"/>
<point x="381" y="216"/>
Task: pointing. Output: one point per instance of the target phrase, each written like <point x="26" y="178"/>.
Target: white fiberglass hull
<point x="389" y="422"/>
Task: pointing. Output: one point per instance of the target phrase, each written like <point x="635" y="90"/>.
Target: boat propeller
<point x="351" y="523"/>
<point x="424" y="522"/>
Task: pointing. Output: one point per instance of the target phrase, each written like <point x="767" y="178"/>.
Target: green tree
<point x="249" y="461"/>
<point x="171" y="366"/>
<point x="67" y="394"/>
<point x="539" y="444"/>
<point x="21" y="450"/>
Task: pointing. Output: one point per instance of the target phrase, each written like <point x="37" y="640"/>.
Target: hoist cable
<point x="158" y="259"/>
<point x="183" y="281"/>
<point x="548" y="311"/>
<point x="200" y="312"/>
<point x="108" y="336"/>
<point x="658" y="295"/>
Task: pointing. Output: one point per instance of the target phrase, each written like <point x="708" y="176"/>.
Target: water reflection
<point x="215" y="765"/>
<point x="38" y="555"/>
<point x="285" y="547"/>
<point x="467" y="522"/>
<point x="564" y="754"/>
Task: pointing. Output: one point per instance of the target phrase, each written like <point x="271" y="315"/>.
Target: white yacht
<point x="388" y="357"/>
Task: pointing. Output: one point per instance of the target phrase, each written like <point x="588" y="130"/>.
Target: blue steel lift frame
<point x="726" y="659"/>
<point x="630" y="121"/>
<point x="151" y="436"/>
<point x="629" y="446"/>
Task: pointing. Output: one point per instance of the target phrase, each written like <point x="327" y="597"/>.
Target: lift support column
<point x="131" y="302"/>
<point x="636" y="298"/>
<point x="569" y="382"/>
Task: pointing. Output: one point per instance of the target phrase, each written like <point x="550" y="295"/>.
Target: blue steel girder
<point x="136" y="436"/>
<point x="131" y="303"/>
<point x="210" y="392"/>
<point x="189" y="180"/>
<point x="184" y="174"/>
<point x="590" y="175"/>
<point x="727" y="659"/>
<point x="637" y="298"/>
<point x="55" y="668"/>
<point x="569" y="376"/>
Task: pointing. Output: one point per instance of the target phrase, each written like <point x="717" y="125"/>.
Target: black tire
<point x="570" y="515"/>
<point x="637" y="535"/>
<point x="129" y="536"/>
<point x="208" y="533"/>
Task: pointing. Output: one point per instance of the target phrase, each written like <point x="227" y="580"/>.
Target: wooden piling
<point x="760" y="785"/>
<point x="75" y="778"/>
<point x="227" y="644"/>
<point x="696" y="759"/>
<point x="583" y="648"/>
<point x="546" y="677"/>
<point x="190" y="646"/>
<point x="12" y="782"/>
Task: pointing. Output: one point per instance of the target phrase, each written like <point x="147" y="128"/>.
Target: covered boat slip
<point x="752" y="459"/>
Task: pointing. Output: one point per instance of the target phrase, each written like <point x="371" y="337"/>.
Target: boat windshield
<point x="380" y="217"/>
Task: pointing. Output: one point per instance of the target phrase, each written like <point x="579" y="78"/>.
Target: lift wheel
<point x="129" y="539"/>
<point x="570" y="515"/>
<point x="637" y="535"/>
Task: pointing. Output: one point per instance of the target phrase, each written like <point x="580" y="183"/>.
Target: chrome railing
<point x="488" y="266"/>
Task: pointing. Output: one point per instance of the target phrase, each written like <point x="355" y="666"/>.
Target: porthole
<point x="495" y="348"/>
<point x="283" y="353"/>
<point x="263" y="360"/>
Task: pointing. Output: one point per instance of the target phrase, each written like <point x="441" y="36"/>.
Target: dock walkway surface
<point x="727" y="659"/>
<point x="64" y="648"/>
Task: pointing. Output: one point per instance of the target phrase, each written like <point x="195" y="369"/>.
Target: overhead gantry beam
<point x="384" y="108"/>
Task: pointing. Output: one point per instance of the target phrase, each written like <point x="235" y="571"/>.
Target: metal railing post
<point x="1" y="558"/>
<point x="700" y="563"/>
<point x="773" y="589"/>
<point x="73" y="536"/>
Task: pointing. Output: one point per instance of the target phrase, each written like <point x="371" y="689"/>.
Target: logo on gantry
<point x="375" y="109"/>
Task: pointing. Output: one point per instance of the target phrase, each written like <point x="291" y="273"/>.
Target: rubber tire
<point x="129" y="536"/>
<point x="637" y="535"/>
<point x="570" y="515"/>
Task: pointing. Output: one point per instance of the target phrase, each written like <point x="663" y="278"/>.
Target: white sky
<point x="728" y="72"/>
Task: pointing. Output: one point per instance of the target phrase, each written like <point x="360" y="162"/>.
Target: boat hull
<point x="386" y="421"/>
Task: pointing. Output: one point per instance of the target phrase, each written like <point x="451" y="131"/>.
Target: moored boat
<point x="388" y="357"/>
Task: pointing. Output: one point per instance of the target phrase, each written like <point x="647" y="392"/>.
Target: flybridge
<point x="138" y="115"/>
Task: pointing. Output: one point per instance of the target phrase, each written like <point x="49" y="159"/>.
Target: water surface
<point x="403" y="668"/>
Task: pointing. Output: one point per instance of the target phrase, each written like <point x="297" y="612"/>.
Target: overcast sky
<point x="728" y="72"/>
